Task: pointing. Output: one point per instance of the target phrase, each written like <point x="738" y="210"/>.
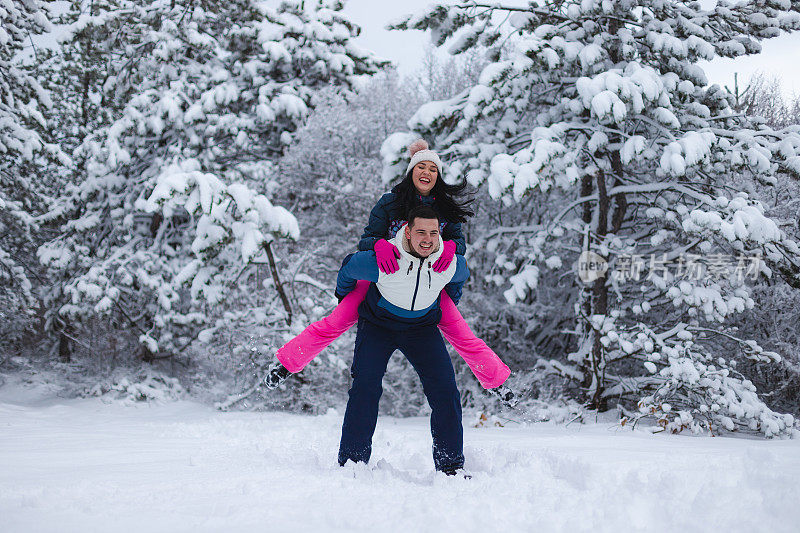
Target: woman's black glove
<point x="505" y="395"/>
<point x="276" y="374"/>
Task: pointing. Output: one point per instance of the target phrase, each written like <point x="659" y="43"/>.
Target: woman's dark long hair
<point x="451" y="201"/>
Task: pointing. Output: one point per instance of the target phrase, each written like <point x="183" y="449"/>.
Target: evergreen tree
<point x="24" y="105"/>
<point x="602" y="108"/>
<point x="92" y="36"/>
<point x="172" y="207"/>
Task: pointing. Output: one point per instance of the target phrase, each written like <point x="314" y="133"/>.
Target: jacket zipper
<point x="414" y="299"/>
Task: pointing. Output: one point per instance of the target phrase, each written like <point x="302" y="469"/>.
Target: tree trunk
<point x="620" y="200"/>
<point x="585" y="296"/>
<point x="599" y="300"/>
<point x="278" y="285"/>
<point x="147" y="355"/>
<point x="64" y="348"/>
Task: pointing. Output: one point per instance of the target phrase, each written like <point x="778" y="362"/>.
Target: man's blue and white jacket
<point x="409" y="297"/>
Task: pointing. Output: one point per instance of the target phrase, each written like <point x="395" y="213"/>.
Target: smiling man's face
<point x="423" y="237"/>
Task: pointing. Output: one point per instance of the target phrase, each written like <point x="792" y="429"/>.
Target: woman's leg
<point x="484" y="363"/>
<point x="299" y="351"/>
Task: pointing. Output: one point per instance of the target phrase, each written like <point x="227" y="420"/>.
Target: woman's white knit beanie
<point x="419" y="152"/>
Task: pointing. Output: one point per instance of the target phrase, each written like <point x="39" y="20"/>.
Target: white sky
<point x="780" y="56"/>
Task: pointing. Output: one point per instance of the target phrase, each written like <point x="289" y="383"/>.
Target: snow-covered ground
<point x="84" y="465"/>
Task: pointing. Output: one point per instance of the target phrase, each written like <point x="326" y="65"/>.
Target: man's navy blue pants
<point x="425" y="350"/>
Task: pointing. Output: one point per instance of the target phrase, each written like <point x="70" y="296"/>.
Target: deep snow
<point x="84" y="465"/>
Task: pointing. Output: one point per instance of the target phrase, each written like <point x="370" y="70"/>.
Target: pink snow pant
<point x="484" y="363"/>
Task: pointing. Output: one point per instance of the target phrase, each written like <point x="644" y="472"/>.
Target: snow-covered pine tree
<point x="23" y="108"/>
<point x="94" y="45"/>
<point x="89" y="52"/>
<point x="173" y="206"/>
<point x="603" y="104"/>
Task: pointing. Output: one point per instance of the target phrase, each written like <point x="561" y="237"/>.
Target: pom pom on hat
<point x="416" y="146"/>
<point x="419" y="151"/>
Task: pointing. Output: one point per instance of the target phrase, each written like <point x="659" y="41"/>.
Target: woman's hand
<point x="448" y="253"/>
<point x="387" y="255"/>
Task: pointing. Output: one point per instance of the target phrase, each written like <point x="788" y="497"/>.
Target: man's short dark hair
<point x="421" y="211"/>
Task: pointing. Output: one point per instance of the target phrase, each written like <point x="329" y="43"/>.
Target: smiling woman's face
<point x="424" y="175"/>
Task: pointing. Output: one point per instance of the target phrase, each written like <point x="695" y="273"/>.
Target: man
<point x="398" y="311"/>
<point x="401" y="312"/>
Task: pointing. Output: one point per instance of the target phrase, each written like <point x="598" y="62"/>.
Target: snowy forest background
<point x="180" y="179"/>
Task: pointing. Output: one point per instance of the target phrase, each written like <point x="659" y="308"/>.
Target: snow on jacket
<point x="386" y="219"/>
<point x="408" y="297"/>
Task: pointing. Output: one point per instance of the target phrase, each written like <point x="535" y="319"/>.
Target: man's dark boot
<point x="459" y="471"/>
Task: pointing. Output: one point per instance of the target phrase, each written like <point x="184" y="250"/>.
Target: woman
<point x="422" y="185"/>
